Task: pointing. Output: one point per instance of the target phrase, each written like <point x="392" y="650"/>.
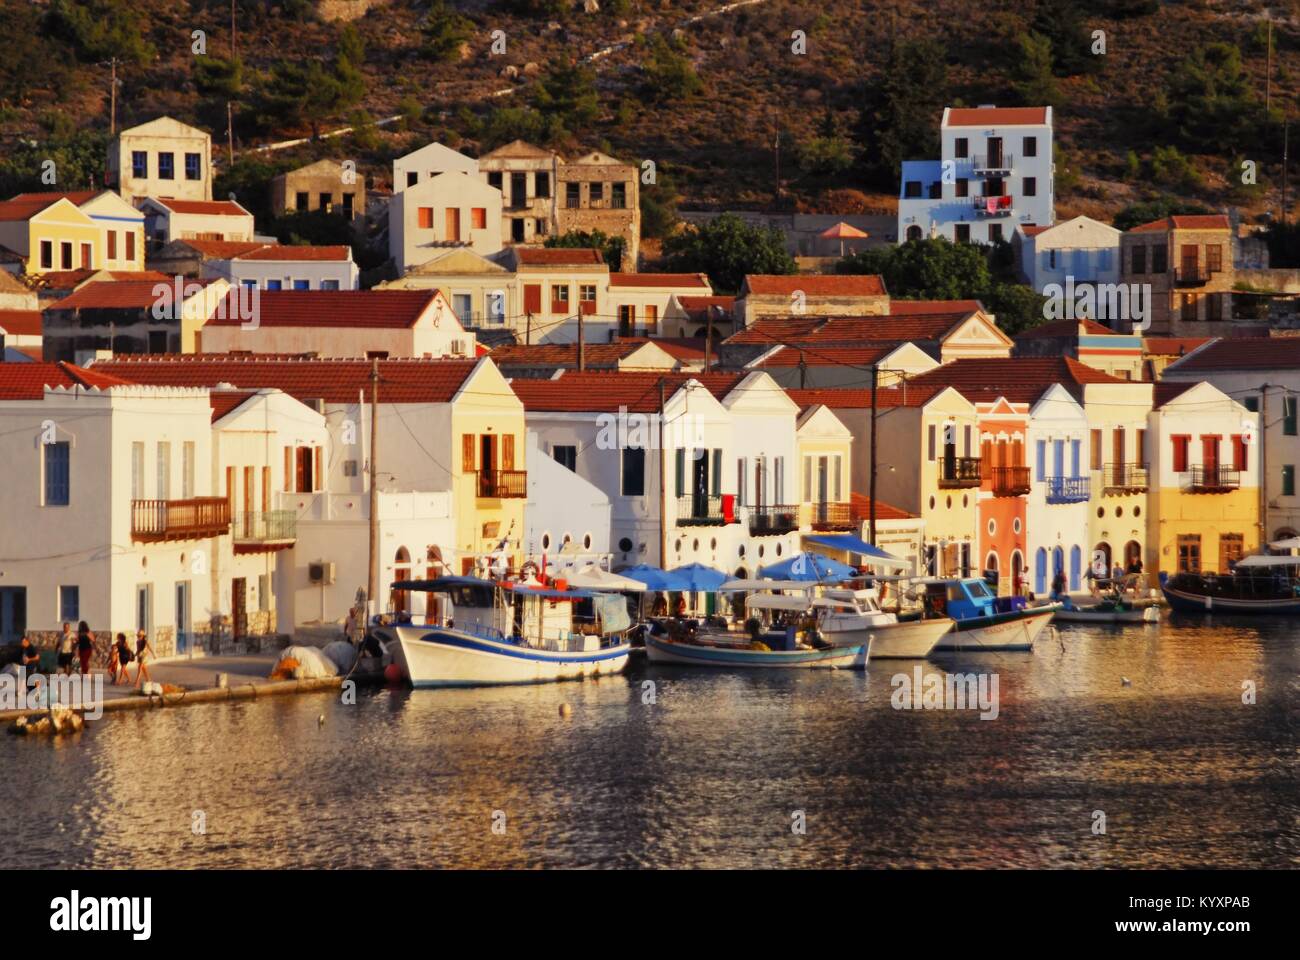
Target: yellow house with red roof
<point x="47" y="232"/>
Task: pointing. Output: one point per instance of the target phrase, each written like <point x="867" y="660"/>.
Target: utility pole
<point x="1286" y="138"/>
<point x="374" y="485"/>
<point x="582" y="360"/>
<point x="663" y="485"/>
<point x="875" y="379"/>
<point x="112" y="98"/>
<point x="1268" y="71"/>
<point x="232" y="29"/>
<point x="778" y="166"/>
<point x="803" y="371"/>
<point x="230" y="133"/>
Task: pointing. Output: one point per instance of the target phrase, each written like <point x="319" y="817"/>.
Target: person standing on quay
<point x="67" y="649"/>
<point x="85" y="646"/>
<point x="142" y="651"/>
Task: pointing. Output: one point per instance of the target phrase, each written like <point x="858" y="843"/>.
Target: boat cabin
<point x="959" y="599"/>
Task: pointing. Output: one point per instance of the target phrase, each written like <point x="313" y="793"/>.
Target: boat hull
<point x="452" y="658"/>
<point x="1185" y="602"/>
<point x="1149" y="614"/>
<point x="907" y="640"/>
<point x="1015" y="630"/>
<point x="665" y="651"/>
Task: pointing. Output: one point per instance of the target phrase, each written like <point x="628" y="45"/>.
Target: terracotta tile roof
<point x="995" y="116"/>
<point x="297" y="252"/>
<point x="695" y="305"/>
<point x="1016" y="378"/>
<point x="116" y="295"/>
<point x="563" y="354"/>
<point x="906" y="395"/>
<point x="27" y="381"/>
<point x="596" y="392"/>
<point x="835" y="354"/>
<point x="1214" y="221"/>
<point x="1171" y="346"/>
<point x="1030" y="230"/>
<point x="77" y="197"/>
<point x="334" y="381"/>
<point x="70" y="279"/>
<point x="1244" y="353"/>
<point x="226" y="401"/>
<point x="860" y="505"/>
<point x="916" y="308"/>
<point x="21" y="323"/>
<point x="816" y="285"/>
<point x="383" y="309"/>
<point x="680" y="348"/>
<point x="221" y="249"/>
<point x="772" y="330"/>
<point x="208" y="208"/>
<point x="887" y="329"/>
<point x="11" y="210"/>
<point x="1069" y="328"/>
<point x="557" y="256"/>
<point x="1166" y="391"/>
<point x="659" y="280"/>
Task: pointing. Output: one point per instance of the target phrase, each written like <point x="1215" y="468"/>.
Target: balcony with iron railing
<point x="960" y="472"/>
<point x="1124" y="477"/>
<point x="992" y="165"/>
<point x="196" y="518"/>
<point x="773" y="519"/>
<point x="502" y="484"/>
<point x="831" y="516"/>
<point x="265" y="531"/>
<point x="1213" y="479"/>
<point x="1193" y="275"/>
<point x="1067" y="489"/>
<point x="701" y="510"/>
<point x="1010" y="481"/>
<point x="992" y="206"/>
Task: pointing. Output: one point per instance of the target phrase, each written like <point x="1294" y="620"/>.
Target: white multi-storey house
<point x="995" y="173"/>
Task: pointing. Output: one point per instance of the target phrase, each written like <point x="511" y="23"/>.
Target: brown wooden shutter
<point x="230" y="487"/>
<point x="467" y="452"/>
<point x="507" y="451"/>
<point x="300" y="472"/>
<point x="532" y="298"/>
<point x="288" y="469"/>
<point x="318" y="475"/>
<point x="266" y="489"/>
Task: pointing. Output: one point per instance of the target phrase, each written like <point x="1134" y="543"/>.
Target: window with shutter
<point x="467" y="452"/>
<point x="680" y="472"/>
<point x="318" y="475"/>
<point x="507" y="451"/>
<point x="288" y="469"/>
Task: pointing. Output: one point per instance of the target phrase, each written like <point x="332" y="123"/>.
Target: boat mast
<point x="373" y="566"/>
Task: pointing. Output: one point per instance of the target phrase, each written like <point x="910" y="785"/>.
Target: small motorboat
<point x="792" y="648"/>
<point x="1109" y="610"/>
<point x="854" y="616"/>
<point x="983" y="622"/>
<point x="506" y="633"/>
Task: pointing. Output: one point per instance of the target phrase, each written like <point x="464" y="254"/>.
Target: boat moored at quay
<point x="1257" y="585"/>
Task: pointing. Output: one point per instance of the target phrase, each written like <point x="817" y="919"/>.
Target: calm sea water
<point x="709" y="775"/>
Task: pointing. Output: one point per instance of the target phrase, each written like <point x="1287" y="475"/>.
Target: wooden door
<point x="532" y="298"/>
<point x="1189" y="259"/>
<point x="453" y="223"/>
<point x="238" y="608"/>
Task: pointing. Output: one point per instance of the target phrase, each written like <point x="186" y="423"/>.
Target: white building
<point x="161" y="158"/>
<point x="277" y="267"/>
<point x="340" y="323"/>
<point x="1080" y="248"/>
<point x="444" y="211"/>
<point x="1057" y="505"/>
<point x="995" y="172"/>
<point x="167" y="220"/>
<point x="428" y="162"/>
<point x="566" y="517"/>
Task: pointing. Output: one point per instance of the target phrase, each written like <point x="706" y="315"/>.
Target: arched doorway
<point x="991" y="570"/>
<point x="401" y="599"/>
<point x="1058" y="560"/>
<point x="1076" y="567"/>
<point x="1040" y="571"/>
<point x="1132" y="554"/>
<point x="434" y="568"/>
<point x="914" y="232"/>
<point x="1017" y="573"/>
<point x="1101" y="559"/>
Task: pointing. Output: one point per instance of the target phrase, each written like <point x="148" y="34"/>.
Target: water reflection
<point x="711" y="773"/>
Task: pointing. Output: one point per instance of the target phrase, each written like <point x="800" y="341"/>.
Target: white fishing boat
<point x="502" y="633"/>
<point x="846" y="617"/>
<point x="984" y="622"/>
<point x="1110" y="609"/>
<point x="736" y="651"/>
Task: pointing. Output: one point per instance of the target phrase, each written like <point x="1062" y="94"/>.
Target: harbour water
<point x="714" y="772"/>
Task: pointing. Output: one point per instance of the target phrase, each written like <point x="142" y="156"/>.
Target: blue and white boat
<point x="507" y="633"/>
<point x="982" y="621"/>
<point x="774" y="649"/>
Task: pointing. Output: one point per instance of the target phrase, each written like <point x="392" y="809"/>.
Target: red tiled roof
<point x="905" y="395"/>
<point x="860" y="505"/>
<point x="835" y="354"/>
<point x="300" y="252"/>
<point x="1171" y="346"/>
<point x="562" y="354"/>
<point x="1245" y="353"/>
<point x="692" y="303"/>
<point x="383" y="309"/>
<point x="816" y="285"/>
<point x="1167" y="390"/>
<point x="679" y="348"/>
<point x="116" y="295"/>
<point x="21" y="323"/>
<point x="221" y="249"/>
<point x="596" y="392"/>
<point x="24" y="209"/>
<point x="1214" y="221"/>
<point x="1016" y="378"/>
<point x="1069" y="328"/>
<point x="77" y="197"/>
<point x="69" y="279"/>
<point x="1030" y="230"/>
<point x="916" y="308"/>
<point x="558" y="256"/>
<point x="27" y="381"/>
<point x="771" y="330"/>
<point x="225" y="401"/>
<point x="208" y="208"/>
<point x="334" y="381"/>
<point x="659" y="280"/>
<point x="995" y="116"/>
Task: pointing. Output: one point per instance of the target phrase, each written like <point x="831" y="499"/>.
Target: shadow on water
<point x="687" y="767"/>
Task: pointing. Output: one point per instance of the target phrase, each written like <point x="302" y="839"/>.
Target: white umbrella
<point x="1290" y="543"/>
<point x="592" y="577"/>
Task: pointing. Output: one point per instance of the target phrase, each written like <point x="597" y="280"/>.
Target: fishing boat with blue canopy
<point x="492" y="633"/>
<point x="983" y="621"/>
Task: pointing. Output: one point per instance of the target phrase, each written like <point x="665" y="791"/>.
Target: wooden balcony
<point x="1124" y="478"/>
<point x="1009" y="481"/>
<point x="959" y="472"/>
<point x="502" y="484"/>
<point x="771" y="520"/>
<point x="156" y="521"/>
<point x="1213" y="479"/>
<point x="264" y="532"/>
<point x="831" y="516"/>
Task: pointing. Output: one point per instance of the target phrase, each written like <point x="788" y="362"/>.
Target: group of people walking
<point x="78" y="648"/>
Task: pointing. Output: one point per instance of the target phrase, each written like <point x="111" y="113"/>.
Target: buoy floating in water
<point x="320" y="721"/>
<point x="566" y="710"/>
<point x="1125" y="681"/>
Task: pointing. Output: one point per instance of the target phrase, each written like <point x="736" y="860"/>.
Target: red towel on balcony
<point x="991" y="204"/>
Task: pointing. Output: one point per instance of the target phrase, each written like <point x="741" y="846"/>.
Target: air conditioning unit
<point x="320" y="572"/>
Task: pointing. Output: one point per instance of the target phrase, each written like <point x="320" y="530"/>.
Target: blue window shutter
<point x="1042" y="459"/>
<point x="1075" y="446"/>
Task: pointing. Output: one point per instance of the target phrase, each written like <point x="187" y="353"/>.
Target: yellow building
<point x="1203" y="508"/>
<point x="49" y="232"/>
